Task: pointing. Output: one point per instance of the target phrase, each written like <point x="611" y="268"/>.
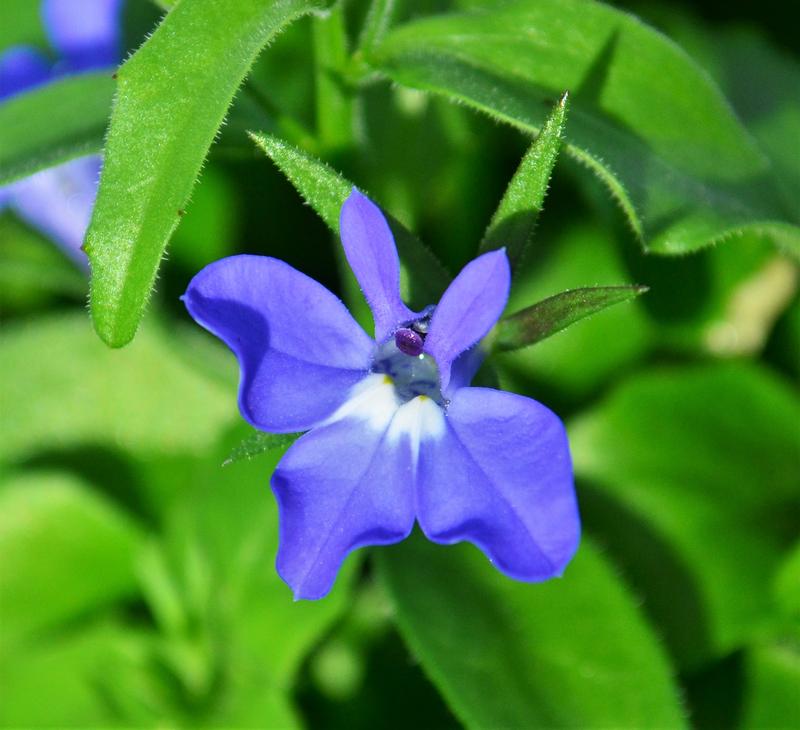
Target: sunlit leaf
<point x="539" y="321"/>
<point x="644" y="117"/>
<point x="690" y="477"/>
<point x="172" y="96"/>
<point x="572" y="652"/>
<point x="513" y="222"/>
<point x="30" y="141"/>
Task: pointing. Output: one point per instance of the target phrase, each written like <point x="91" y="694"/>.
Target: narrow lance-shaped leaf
<point x="30" y="141"/>
<point x="326" y="190"/>
<point x="644" y="117"/>
<point x="556" y="313"/>
<point x="572" y="652"/>
<point x="172" y="97"/>
<point x="514" y="221"/>
<point x="259" y="443"/>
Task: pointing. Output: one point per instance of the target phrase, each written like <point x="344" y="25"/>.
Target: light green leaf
<point x="541" y="320"/>
<point x="172" y="96"/>
<point x="772" y="671"/>
<point x="258" y="443"/>
<point x="61" y="388"/>
<point x="58" y="538"/>
<point x="30" y="141"/>
<point x="675" y="464"/>
<point x="572" y="652"/>
<point x="513" y="222"/>
<point x="645" y="118"/>
<point x="325" y="191"/>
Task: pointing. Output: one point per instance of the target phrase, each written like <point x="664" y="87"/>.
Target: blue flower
<point x="86" y="36"/>
<point x="395" y="432"/>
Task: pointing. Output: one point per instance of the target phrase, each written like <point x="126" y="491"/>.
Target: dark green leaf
<point x="513" y="222"/>
<point x="541" y="320"/>
<point x="172" y="96"/>
<point x="259" y="442"/>
<point x="325" y="191"/>
<point x="572" y="652"/>
<point x="645" y="118"/>
<point x="57" y="537"/>
<point x="675" y="463"/>
<point x="30" y="141"/>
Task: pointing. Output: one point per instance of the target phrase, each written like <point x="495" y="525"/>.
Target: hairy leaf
<point x="172" y="96"/>
<point x="259" y="442"/>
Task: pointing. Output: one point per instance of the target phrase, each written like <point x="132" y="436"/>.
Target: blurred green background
<point x="137" y="585"/>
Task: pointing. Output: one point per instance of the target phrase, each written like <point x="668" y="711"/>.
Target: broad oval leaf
<point x="30" y="141"/>
<point x="645" y="118"/>
<point x="690" y="476"/>
<point x="556" y="313"/>
<point x="172" y="96"/>
<point x="571" y="652"/>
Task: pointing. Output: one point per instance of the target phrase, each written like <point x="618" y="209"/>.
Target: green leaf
<point x="541" y="320"/>
<point x="674" y="464"/>
<point x="773" y="676"/>
<point x="57" y="538"/>
<point x="645" y="118"/>
<point x="514" y="221"/>
<point x="572" y="652"/>
<point x="325" y="191"/>
<point x="172" y="96"/>
<point x="65" y="389"/>
<point x="259" y="442"/>
<point x="30" y="141"/>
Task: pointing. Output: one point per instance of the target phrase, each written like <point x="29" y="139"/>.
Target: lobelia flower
<point x="395" y="432"/>
<point x="59" y="201"/>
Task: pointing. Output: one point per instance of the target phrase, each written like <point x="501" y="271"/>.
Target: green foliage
<point x="95" y="396"/>
<point x="191" y="66"/>
<point x="676" y="464"/>
<point x="514" y="220"/>
<point x="259" y="442"/>
<point x="30" y="140"/>
<point x="676" y="159"/>
<point x="574" y="652"/>
<point x="57" y="536"/>
<point x="546" y="318"/>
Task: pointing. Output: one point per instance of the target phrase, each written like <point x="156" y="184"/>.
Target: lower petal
<point x="501" y="478"/>
<point x="345" y="484"/>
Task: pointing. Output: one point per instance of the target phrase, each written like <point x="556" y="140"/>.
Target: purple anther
<point x="408" y="341"/>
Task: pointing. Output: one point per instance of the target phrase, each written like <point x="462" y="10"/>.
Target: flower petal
<point x="59" y="201"/>
<point x="468" y="309"/>
<point x="22" y="68"/>
<point x="299" y="350"/>
<point x="369" y="246"/>
<point x="343" y="485"/>
<point x="501" y="478"/>
<point x="85" y="32"/>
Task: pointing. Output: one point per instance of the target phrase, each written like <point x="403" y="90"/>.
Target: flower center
<point x="401" y="357"/>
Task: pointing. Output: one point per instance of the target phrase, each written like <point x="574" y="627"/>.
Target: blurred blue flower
<point x="85" y="35"/>
<point x="395" y="432"/>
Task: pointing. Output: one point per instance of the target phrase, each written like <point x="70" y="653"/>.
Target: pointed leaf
<point x="645" y="118"/>
<point x="258" y="443"/>
<point x="513" y="222"/>
<point x="172" y="96"/>
<point x="556" y="313"/>
<point x="326" y="190"/>
<point x="572" y="652"/>
<point x="29" y="141"/>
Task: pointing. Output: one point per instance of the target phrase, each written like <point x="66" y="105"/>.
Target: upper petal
<point x="369" y="247"/>
<point x="501" y="477"/>
<point x="85" y="32"/>
<point x="341" y="486"/>
<point x="468" y="309"/>
<point x="21" y="68"/>
<point x="299" y="350"/>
